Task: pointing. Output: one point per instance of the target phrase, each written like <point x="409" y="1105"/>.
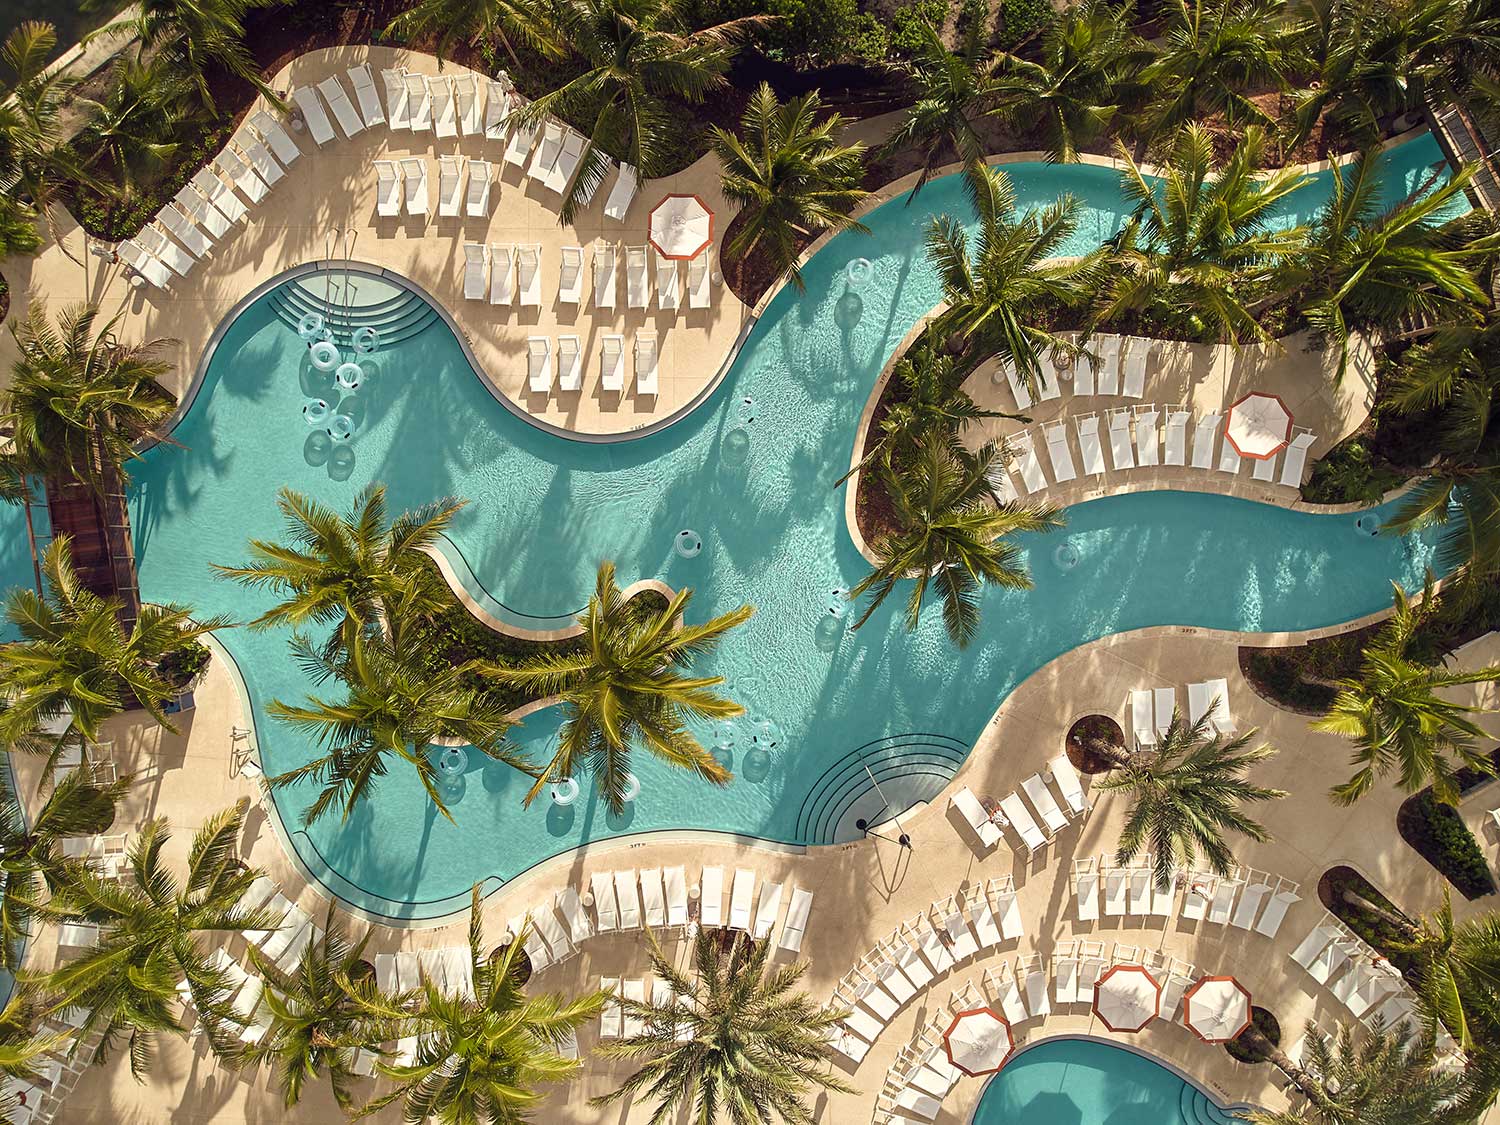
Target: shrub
<point x="116" y="217"/>
<point x="973" y="17"/>
<point x="826" y="31"/>
<point x="906" y="24"/>
<point x="1441" y="837"/>
<point x="1020" y="20"/>
<point x="1350" y="473"/>
<point x="182" y="666"/>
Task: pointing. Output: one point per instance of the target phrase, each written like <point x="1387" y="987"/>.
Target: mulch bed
<point x="1246" y="1047"/>
<point x="1084" y="734"/>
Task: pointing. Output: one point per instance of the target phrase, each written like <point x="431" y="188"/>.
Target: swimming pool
<point x="544" y="511"/>
<point x="1086" y="1082"/>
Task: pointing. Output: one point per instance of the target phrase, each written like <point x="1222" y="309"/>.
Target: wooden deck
<point x="102" y="549"/>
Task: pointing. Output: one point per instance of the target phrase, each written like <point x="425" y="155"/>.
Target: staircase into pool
<point x="875" y="782"/>
<point x="359" y="301"/>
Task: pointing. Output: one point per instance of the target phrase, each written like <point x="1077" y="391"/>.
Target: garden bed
<point x="1084" y="735"/>
<point x="1336" y="889"/>
<point x="1439" y="835"/>
<point x="1247" y="1046"/>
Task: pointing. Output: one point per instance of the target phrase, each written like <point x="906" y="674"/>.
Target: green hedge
<point x="185" y="664"/>
<point x="1020" y="20"/>
<point x="113" y="218"/>
<point x="1441" y="837"/>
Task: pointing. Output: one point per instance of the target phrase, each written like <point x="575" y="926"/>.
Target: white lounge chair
<point x="260" y="158"/>
<point x="551" y="931"/>
<point x="1229" y="457"/>
<point x="562" y="171"/>
<point x="1140" y="717"/>
<point x="767" y="911"/>
<point x="667" y="294"/>
<point x="972" y="811"/>
<point x="637" y="283"/>
<point x="1176" y="452"/>
<point x="234" y="168"/>
<point x="1133" y="369"/>
<point x="653" y="898"/>
<point x="1147" y="437"/>
<point x="570" y="275"/>
<point x="1205" y="433"/>
<point x="395" y="97"/>
<point x="606" y="911"/>
<point x="481" y="176"/>
<point x="1065" y="777"/>
<point x="1027" y="463"/>
<point x="569" y="363"/>
<point x="1008" y="910"/>
<point x="217" y="192"/>
<point x="388" y="194"/>
<point x="1265" y="469"/>
<point x="1121" y="452"/>
<point x="604" y="277"/>
<point x="136" y="257"/>
<point x="350" y="122"/>
<point x="986" y="928"/>
<point x="210" y="218"/>
<point x="1166" y="706"/>
<point x="961" y="940"/>
<point x="1222" y="905"/>
<point x="155" y="242"/>
<point x="740" y="898"/>
<point x="612" y="362"/>
<point x="1033" y="980"/>
<point x="522" y="137"/>
<point x="318" y="126"/>
<point x="795" y="926"/>
<point x="1215" y="696"/>
<point x="496" y="111"/>
<point x="1295" y="462"/>
<point x="450" y="186"/>
<point x="1250" y="902"/>
<point x="1107" y="370"/>
<point x="415" y="172"/>
<point x="502" y="275"/>
<point x="1088" y="444"/>
<point x="1018" y="388"/>
<point x="1083" y="371"/>
<point x="675" y="881"/>
<point x="467" y="105"/>
<point x="1139" y="883"/>
<point x="529" y="274"/>
<point x="363" y="81"/>
<point x="1020" y="820"/>
<point x="1059" y="453"/>
<point x="600" y="170"/>
<point x="571" y="908"/>
<point x="711" y="906"/>
<point x="699" y="295"/>
<point x="1275" y="912"/>
<point x="628" y="895"/>
<point x="545" y="157"/>
<point x="611" y="1020"/>
<point x="273" y="134"/>
<point x="1086" y="894"/>
<point x="647" y="359"/>
<point x="476" y="258"/>
<point x="444" y="109"/>
<point x="622" y="193"/>
<point x="1116" y="891"/>
<point x="418" y="103"/>
<point x="1041" y="800"/>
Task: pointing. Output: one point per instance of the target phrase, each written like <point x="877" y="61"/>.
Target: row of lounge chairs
<point x="1100" y="370"/>
<point x="1207" y="699"/>
<point x="1014" y="814"/>
<point x="623" y="900"/>
<point x="497" y="273"/>
<point x="1137" y="438"/>
<point x="1246" y="899"/>
<point x="504" y="275"/>
<point x="566" y="366"/>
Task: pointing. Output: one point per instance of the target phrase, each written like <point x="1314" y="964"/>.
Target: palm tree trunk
<point x="1308" y="1086"/>
<point x="1397" y="921"/>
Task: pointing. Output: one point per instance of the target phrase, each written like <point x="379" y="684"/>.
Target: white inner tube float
<point x="325" y="355"/>
<point x="349" y="375"/>
<point x="632" y="787"/>
<point x="564" y="792"/>
<point x="365" y="340"/>
<point x="315" y="413"/>
<point x="310" y="327"/>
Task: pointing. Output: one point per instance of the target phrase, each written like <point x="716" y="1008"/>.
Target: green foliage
<point x="183" y="665"/>
<point x="111" y="215"/>
<point x="1439" y="833"/>
<point x="825" y="31"/>
<point x="1020" y="20"/>
<point x="1350" y="473"/>
<point x="906" y="24"/>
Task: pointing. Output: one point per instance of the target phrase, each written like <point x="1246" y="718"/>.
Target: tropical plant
<point x="997" y="282"/>
<point x="628" y="686"/>
<point x="732" y="1041"/>
<point x="949" y="534"/>
<point x="1394" y="714"/>
<point x="636" y="53"/>
<point x="952" y="91"/>
<point x="151" y="924"/>
<point x="316" y="1023"/>
<point x="1365" y="266"/>
<point x="21" y="1047"/>
<point x="74" y="658"/>
<point x="790" y="175"/>
<point x="1202" y="240"/>
<point x="360" y="570"/>
<point x="395" y="704"/>
<point x="479" y="1057"/>
<point x="134" y="129"/>
<point x="1215" y="53"/>
<point x="479" y="23"/>
<point x="1189" y="792"/>
<point x="1089" y="67"/>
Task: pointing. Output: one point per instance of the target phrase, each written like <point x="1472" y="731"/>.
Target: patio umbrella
<point x="1258" y="426"/>
<point x="681" y="227"/>
<point x="1126" y="998"/>
<point x="978" y="1041"/>
<point x="1216" y="1009"/>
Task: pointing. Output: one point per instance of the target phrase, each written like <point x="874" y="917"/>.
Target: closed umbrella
<point x="1258" y="426"/>
<point x="1126" y="998"/>
<point x="978" y="1041"/>
<point x="1216" y="1009"/>
<point x="681" y="227"/>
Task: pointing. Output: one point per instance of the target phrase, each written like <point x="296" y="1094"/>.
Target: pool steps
<point x="397" y="317"/>
<point x="910" y="768"/>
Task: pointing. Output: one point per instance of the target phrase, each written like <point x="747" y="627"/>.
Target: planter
<point x="1439" y="835"/>
<point x="1248" y="1047"/>
<point x="1082" y="737"/>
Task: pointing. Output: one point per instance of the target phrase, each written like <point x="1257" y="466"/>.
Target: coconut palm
<point x="628" y="686"/>
<point x="1364" y="266"/>
<point x="1215" y="53"/>
<point x="1203" y="239"/>
<point x="359" y="569"/>
<point x="790" y="175"/>
<point x="950" y="534"/>
<point x="636" y="54"/>
<point x="21" y="1048"/>
<point x="74" y="656"/>
<point x="316" y="1023"/>
<point x="1393" y="712"/>
<point x="480" y="1058"/>
<point x="733" y="1041"/>
<point x="31" y="860"/>
<point x="1189" y="791"/>
<point x="1089" y="67"/>
<point x="396" y="704"/>
<point x="997" y="282"/>
<point x="479" y="23"/>
<point x="931" y="399"/>
<point x="1374" y="1076"/>
<point x="134" y="128"/>
<point x="155" y="933"/>
<point x="952" y="91"/>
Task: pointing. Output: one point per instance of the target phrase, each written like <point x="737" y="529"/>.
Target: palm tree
<point x="997" y="290"/>
<point x="1365" y="267"/>
<point x="1393" y="713"/>
<point x="931" y="399"/>
<point x="395" y="704"/>
<point x="953" y="89"/>
<point x="626" y="686"/>
<point x="75" y="656"/>
<point x="791" y="176"/>
<point x="636" y="54"/>
<point x="479" y="1058"/>
<point x="316" y="1022"/>
<point x="1202" y="239"/>
<point x="1089" y="68"/>
<point x="1379" y="1076"/>
<point x="359" y="569"/>
<point x="20" y="1049"/>
<point x="478" y="23"/>
<point x="1189" y="793"/>
<point x="735" y="1040"/>
<point x="1215" y="53"/>
<point x="151" y="924"/>
<point x="135" y="127"/>
<point x="950" y="534"/>
<point x="31" y="861"/>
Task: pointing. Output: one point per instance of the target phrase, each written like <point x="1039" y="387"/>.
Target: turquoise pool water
<point x="1084" y="1082"/>
<point x="545" y="511"/>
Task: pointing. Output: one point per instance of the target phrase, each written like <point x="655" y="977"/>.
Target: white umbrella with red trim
<point x="1258" y="426"/>
<point x="978" y="1041"/>
<point x="1126" y="998"/>
<point x="1216" y="1009"/>
<point x="682" y="227"/>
